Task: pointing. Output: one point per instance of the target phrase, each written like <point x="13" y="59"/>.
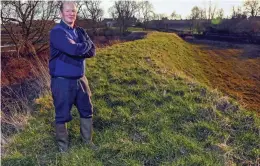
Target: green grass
<point x="149" y="109"/>
<point x="134" y="29"/>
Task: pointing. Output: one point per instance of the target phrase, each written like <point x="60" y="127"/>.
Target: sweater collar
<point x="62" y="23"/>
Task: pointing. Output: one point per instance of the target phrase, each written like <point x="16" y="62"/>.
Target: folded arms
<point x="63" y="43"/>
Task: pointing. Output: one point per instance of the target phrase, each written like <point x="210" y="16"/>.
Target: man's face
<point x="69" y="12"/>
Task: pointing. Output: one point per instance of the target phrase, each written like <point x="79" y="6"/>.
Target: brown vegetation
<point x="233" y="69"/>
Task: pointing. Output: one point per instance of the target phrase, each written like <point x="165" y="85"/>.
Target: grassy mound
<point x="149" y="109"/>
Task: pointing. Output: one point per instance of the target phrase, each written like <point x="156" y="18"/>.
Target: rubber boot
<point x="62" y="137"/>
<point x="86" y="131"/>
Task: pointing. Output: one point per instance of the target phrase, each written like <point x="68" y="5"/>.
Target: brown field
<point x="233" y="69"/>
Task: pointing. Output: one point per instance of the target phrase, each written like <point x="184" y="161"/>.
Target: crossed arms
<point x="62" y="42"/>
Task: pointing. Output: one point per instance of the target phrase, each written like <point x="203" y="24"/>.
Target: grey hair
<point x="62" y="4"/>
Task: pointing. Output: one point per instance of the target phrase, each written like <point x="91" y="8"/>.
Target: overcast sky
<point x="182" y="7"/>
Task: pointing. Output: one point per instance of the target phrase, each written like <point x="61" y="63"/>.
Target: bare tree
<point x="124" y="12"/>
<point x="146" y="12"/>
<point x="220" y="13"/>
<point x="237" y="13"/>
<point x="211" y="11"/>
<point x="174" y="15"/>
<point x="155" y="16"/>
<point x="92" y="9"/>
<point x="197" y="14"/>
<point x="252" y="7"/>
<point x="163" y="16"/>
<point x="28" y="23"/>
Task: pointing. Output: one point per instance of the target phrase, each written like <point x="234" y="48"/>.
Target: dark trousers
<point x="65" y="93"/>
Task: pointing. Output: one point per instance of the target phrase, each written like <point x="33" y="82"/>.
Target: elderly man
<point x="69" y="47"/>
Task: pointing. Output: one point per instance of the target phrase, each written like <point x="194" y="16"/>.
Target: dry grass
<point x="233" y="70"/>
<point x="23" y="79"/>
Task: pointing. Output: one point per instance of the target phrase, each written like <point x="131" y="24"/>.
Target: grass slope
<point x="233" y="70"/>
<point x="148" y="111"/>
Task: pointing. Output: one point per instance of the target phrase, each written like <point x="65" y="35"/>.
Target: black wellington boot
<point x="86" y="131"/>
<point x="62" y="137"/>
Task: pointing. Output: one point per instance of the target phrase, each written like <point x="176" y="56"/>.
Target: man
<point x="69" y="47"/>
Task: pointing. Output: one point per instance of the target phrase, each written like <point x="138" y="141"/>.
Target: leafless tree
<point x="252" y="7"/>
<point x="27" y="24"/>
<point x="174" y="15"/>
<point x="220" y="13"/>
<point x="237" y="13"/>
<point x="155" y="16"/>
<point x="211" y="11"/>
<point x="197" y="14"/>
<point x="92" y="10"/>
<point x="124" y="12"/>
<point x="146" y="12"/>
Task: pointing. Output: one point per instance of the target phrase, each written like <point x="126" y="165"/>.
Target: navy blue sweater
<point x="67" y="59"/>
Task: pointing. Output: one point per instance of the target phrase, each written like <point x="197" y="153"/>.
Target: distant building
<point x="108" y="22"/>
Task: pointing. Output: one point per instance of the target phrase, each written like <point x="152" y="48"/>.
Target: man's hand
<point x="72" y="41"/>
